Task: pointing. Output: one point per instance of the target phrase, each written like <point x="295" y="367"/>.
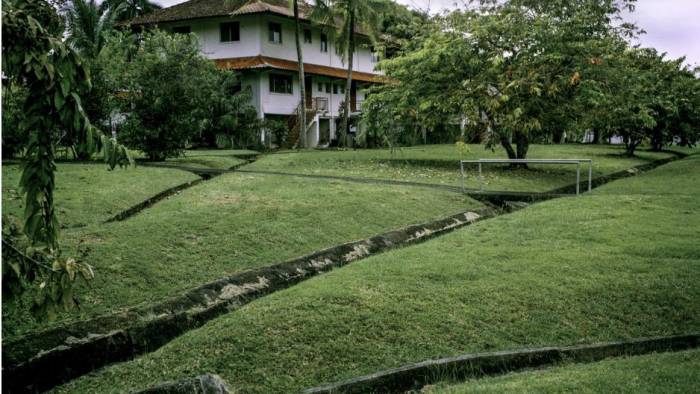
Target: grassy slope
<point x="599" y="267"/>
<point x="89" y="193"/>
<point x="440" y="164"/>
<point x="231" y="223"/>
<point x="655" y="373"/>
<point x="211" y="158"/>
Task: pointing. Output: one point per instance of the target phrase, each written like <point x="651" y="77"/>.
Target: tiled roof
<point x="195" y="9"/>
<point x="253" y="62"/>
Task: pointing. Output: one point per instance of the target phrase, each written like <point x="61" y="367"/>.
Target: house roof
<point x="196" y="9"/>
<point x="260" y="62"/>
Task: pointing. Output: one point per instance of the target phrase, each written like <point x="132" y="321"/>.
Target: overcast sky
<point x="672" y="26"/>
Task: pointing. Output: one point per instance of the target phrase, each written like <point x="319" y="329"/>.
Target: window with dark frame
<point x="324" y="42"/>
<point x="320" y="86"/>
<point x="328" y="87"/>
<point x="280" y="83"/>
<point x="307" y="36"/>
<point x="275" y="32"/>
<point x="182" y="30"/>
<point x="342" y="89"/>
<point x="230" y="31"/>
<point x="335" y="89"/>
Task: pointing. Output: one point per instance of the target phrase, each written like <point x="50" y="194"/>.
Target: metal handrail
<point x="531" y="161"/>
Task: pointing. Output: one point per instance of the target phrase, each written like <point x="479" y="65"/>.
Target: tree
<point x="354" y="16"/>
<point x="87" y="24"/>
<point x="302" y="85"/>
<point x="510" y="67"/>
<point x="126" y="10"/>
<point x="35" y="57"/>
<point x="171" y="93"/>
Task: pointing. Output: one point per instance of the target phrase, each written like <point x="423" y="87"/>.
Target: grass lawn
<point x="220" y="159"/>
<point x="615" y="264"/>
<point x="654" y="373"/>
<point x="89" y="193"/>
<point x="440" y="164"/>
<point x="228" y="224"/>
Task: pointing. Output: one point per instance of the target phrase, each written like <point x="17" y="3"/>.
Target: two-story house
<point x="256" y="37"/>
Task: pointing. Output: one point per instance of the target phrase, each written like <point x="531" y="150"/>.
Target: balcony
<point x="318" y="104"/>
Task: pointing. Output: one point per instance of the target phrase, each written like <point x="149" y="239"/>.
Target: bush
<point x="169" y="88"/>
<point x="14" y="139"/>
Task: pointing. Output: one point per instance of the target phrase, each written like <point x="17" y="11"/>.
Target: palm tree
<point x="302" y="81"/>
<point x="126" y="10"/>
<point x="87" y="24"/>
<point x="352" y="15"/>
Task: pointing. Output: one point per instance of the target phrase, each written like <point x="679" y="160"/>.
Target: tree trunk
<point x="522" y="144"/>
<point x="302" y="79"/>
<point x="348" y="84"/>
<point x="505" y="143"/>
<point x="630" y="146"/>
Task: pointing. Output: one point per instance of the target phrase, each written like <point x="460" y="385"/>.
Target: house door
<point x="308" y="86"/>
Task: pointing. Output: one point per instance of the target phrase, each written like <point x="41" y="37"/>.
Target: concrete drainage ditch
<point x="30" y="361"/>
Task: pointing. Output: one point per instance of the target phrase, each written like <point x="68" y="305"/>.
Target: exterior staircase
<point x="293" y="126"/>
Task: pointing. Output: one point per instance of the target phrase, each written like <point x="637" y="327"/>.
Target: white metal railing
<point x="531" y="161"/>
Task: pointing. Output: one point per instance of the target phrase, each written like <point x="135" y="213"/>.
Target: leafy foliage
<point x="525" y="70"/>
<point x="35" y="57"/>
<point x="14" y="138"/>
<point x="164" y="110"/>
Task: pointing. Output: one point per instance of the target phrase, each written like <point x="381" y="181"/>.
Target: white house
<point x="257" y="38"/>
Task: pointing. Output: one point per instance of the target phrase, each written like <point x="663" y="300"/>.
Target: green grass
<point x="655" y="373"/>
<point x="89" y="193"/>
<point x="603" y="266"/>
<point x="228" y="224"/>
<point x="221" y="159"/>
<point x="440" y="164"/>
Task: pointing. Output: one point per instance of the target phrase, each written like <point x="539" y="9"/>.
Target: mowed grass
<point x="221" y="159"/>
<point x="654" y="373"/>
<point x="228" y="224"/>
<point x="603" y="266"/>
<point x="90" y="193"/>
<point x="439" y="164"/>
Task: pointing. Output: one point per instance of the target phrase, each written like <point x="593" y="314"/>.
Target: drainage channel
<point x="460" y="368"/>
<point x="30" y="361"/>
<point x="413" y="377"/>
<point x="204" y="174"/>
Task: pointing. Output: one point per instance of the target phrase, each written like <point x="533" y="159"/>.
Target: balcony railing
<point x="319" y="104"/>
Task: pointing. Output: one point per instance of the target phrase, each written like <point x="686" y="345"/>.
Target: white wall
<point x="254" y="41"/>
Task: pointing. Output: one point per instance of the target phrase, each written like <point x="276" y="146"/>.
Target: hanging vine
<point x="35" y="56"/>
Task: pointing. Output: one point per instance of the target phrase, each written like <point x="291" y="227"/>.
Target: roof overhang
<point x="263" y="62"/>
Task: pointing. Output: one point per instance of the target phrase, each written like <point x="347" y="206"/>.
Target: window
<point x="324" y="42"/>
<point x="230" y="31"/>
<point x="342" y="89"/>
<point x="181" y="30"/>
<point x="320" y="86"/>
<point x="275" y="32"/>
<point x="328" y="87"/>
<point x="280" y="83"/>
<point x="307" y="36"/>
<point x="335" y="89"/>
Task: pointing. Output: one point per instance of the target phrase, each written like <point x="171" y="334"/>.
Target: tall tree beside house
<point x="87" y="25"/>
<point x="353" y="15"/>
<point x="127" y="10"/>
<point x="302" y="85"/>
